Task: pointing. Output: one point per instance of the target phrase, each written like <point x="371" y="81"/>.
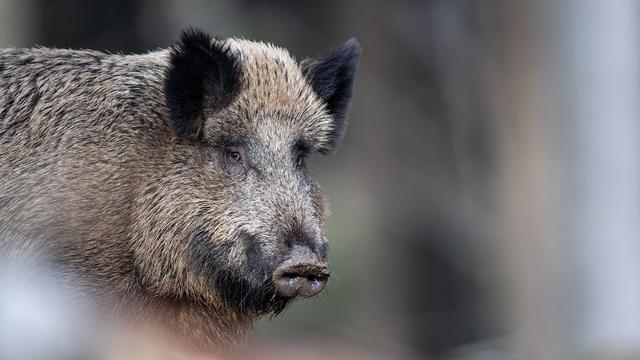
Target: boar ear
<point x="331" y="77"/>
<point x="201" y="73"/>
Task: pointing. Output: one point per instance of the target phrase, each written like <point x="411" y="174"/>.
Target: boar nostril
<point x="301" y="279"/>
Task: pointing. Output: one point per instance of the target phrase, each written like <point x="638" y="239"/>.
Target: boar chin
<point x="249" y="297"/>
<point x="246" y="287"/>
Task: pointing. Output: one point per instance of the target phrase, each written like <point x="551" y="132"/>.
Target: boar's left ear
<point x="331" y="77"/>
<point x="201" y="73"/>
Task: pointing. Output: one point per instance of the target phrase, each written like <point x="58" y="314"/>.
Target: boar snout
<point x="302" y="274"/>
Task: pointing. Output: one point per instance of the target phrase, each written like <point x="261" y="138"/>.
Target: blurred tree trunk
<point x="569" y="179"/>
<point x="526" y="188"/>
<point x="597" y="50"/>
<point x="434" y="206"/>
<point x="16" y="23"/>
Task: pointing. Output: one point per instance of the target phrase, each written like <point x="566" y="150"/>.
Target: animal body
<point x="174" y="182"/>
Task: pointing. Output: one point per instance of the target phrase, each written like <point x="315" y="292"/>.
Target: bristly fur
<point x="120" y="165"/>
<point x="331" y="77"/>
<point x="201" y="73"/>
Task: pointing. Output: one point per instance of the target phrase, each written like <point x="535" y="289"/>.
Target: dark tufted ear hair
<point x="331" y="77"/>
<point x="201" y="73"/>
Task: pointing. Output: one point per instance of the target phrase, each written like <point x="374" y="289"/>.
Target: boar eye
<point x="301" y="150"/>
<point x="234" y="155"/>
<point x="300" y="160"/>
<point x="235" y="161"/>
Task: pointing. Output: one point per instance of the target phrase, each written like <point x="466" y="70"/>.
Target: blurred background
<point x="486" y="200"/>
